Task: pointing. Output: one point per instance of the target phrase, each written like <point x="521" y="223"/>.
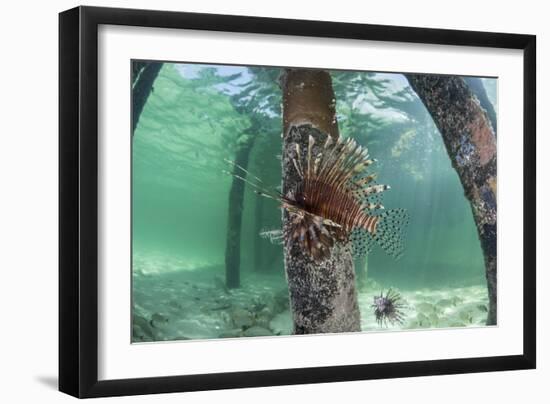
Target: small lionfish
<point x="336" y="200"/>
<point x="388" y="308"/>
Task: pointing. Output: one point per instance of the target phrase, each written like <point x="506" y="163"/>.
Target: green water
<point x="198" y="115"/>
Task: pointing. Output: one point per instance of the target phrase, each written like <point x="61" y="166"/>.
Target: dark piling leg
<point x="471" y="144"/>
<point x="234" y="219"/>
<point x="141" y="89"/>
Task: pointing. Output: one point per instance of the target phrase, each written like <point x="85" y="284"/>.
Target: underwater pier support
<point x="323" y="297"/>
<point x="476" y="86"/>
<point x="142" y="88"/>
<point x="234" y="217"/>
<point x="471" y="145"/>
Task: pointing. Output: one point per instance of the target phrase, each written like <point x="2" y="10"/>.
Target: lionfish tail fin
<point x="390" y="231"/>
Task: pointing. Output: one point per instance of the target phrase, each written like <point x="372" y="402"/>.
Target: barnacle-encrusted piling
<point x="323" y="298"/>
<point x="234" y="218"/>
<point x="471" y="144"/>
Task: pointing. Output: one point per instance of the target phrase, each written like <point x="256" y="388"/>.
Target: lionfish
<point x="336" y="200"/>
<point x="388" y="308"/>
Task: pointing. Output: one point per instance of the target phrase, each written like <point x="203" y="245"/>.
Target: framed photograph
<point x="251" y="201"/>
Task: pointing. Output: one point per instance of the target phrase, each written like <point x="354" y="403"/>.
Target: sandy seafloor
<point x="173" y="300"/>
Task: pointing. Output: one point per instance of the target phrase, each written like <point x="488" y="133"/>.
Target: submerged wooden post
<point x="471" y="145"/>
<point x="476" y="86"/>
<point x="234" y="217"/>
<point x="323" y="296"/>
<point x="142" y="89"/>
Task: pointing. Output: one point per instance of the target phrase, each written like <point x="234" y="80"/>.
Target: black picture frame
<point x="78" y="201"/>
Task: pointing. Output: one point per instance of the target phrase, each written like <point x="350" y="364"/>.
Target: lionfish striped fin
<point x="340" y="169"/>
<point x="346" y="164"/>
<point x="332" y="157"/>
<point x="354" y="165"/>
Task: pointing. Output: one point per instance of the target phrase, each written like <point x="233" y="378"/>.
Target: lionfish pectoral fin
<point x="361" y="242"/>
<point x="389" y="231"/>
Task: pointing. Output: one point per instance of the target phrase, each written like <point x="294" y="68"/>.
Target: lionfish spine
<point x="297" y="167"/>
<point x="296" y="162"/>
